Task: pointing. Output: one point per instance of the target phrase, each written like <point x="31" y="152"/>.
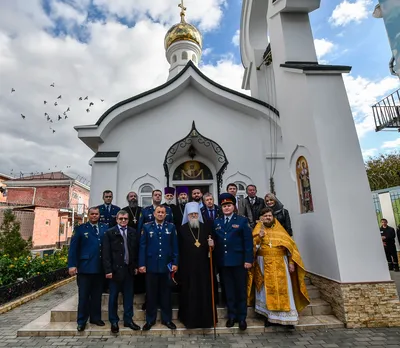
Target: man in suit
<point x="147" y="214"/>
<point x="108" y="211"/>
<point x="242" y="207"/>
<point x="120" y="254"/>
<point x="85" y="261"/>
<point x="234" y="255"/>
<point x="158" y="256"/>
<point x="254" y="205"/>
<point x="209" y="211"/>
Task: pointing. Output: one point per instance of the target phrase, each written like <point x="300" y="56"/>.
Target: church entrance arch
<point x="195" y="161"/>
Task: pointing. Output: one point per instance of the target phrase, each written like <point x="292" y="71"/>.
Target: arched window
<point x="174" y="58"/>
<point x="194" y="59"/>
<point x="184" y="55"/>
<point x="241" y="192"/>
<point x="145" y="195"/>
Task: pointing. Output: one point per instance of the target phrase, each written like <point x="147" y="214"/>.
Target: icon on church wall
<point x="192" y="170"/>
<point x="304" y="186"/>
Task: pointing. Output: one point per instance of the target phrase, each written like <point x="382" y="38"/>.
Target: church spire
<point x="183" y="11"/>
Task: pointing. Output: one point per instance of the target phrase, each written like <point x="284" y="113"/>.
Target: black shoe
<point x="132" y="326"/>
<point x="230" y="323"/>
<point x="98" y="322"/>
<point x="169" y="325"/>
<point x="81" y="328"/>
<point x="242" y="325"/>
<point x="114" y="328"/>
<point x="147" y="326"/>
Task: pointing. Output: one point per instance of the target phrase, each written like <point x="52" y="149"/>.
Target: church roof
<point x="190" y="64"/>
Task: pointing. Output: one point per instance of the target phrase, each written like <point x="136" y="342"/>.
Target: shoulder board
<point x="148" y="223"/>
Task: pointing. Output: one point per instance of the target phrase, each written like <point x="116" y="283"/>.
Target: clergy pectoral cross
<point x="270" y="244"/>
<point x="134" y="220"/>
<point x="197" y="243"/>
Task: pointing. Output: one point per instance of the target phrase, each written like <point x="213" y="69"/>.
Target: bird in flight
<point x="54" y="131"/>
<point x="55" y="104"/>
<point x="102" y="100"/>
<point x="65" y="117"/>
<point x="12" y="90"/>
<point x="44" y="102"/>
<point x="46" y="114"/>
<point x="86" y="98"/>
<point x="59" y="117"/>
<point x="48" y="118"/>
<point x="91" y="104"/>
<point x="80" y="98"/>
<point x="67" y="109"/>
<point x="59" y="97"/>
<point x="23" y="116"/>
<point x="87" y="110"/>
<point x="52" y="85"/>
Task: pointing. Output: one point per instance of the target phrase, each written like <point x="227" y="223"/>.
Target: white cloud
<point x="323" y="47"/>
<point x="363" y="93"/>
<point x="207" y="51"/>
<point x="367" y="153"/>
<point x="236" y="38"/>
<point x="115" y="62"/>
<point x="347" y="12"/>
<point x="392" y="144"/>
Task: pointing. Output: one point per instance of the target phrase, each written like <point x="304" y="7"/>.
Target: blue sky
<point x="113" y="50"/>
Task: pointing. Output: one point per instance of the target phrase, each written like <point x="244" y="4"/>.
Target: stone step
<point x="313" y="292"/>
<point x="42" y="326"/>
<point x="67" y="311"/>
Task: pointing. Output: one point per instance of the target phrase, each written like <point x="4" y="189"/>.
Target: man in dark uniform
<point x="147" y="214"/>
<point x="133" y="210"/>
<point x="158" y="256"/>
<point x="183" y="196"/>
<point x="108" y="211"/>
<point x="209" y="211"/>
<point x="120" y="258"/>
<point x="388" y="236"/>
<point x="234" y="256"/>
<point x="85" y="261"/>
<point x="169" y="193"/>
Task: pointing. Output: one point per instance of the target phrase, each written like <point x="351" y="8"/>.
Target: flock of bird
<point x="60" y="116"/>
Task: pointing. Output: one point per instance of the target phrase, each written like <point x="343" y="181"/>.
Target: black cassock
<point x="195" y="309"/>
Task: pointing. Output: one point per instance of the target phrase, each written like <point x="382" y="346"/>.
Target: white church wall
<point x="104" y="177"/>
<point x="144" y="139"/>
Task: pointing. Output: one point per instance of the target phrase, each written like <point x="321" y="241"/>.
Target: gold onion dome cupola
<point x="182" y="31"/>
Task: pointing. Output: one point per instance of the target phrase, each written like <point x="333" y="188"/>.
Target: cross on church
<point x="182" y="6"/>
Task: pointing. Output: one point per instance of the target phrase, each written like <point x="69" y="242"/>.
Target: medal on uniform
<point x="151" y="234"/>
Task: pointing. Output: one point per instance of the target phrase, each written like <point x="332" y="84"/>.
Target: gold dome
<point x="182" y="32"/>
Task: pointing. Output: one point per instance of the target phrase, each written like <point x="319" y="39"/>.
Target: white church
<point x="294" y="136"/>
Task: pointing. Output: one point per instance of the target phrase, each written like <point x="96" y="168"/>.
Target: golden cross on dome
<point x="183" y="9"/>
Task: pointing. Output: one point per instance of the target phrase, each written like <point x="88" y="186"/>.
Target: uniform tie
<point x="226" y="221"/>
<point x="211" y="214"/>
<point x="95" y="229"/>
<point x="109" y="208"/>
<point x="159" y="227"/>
<point x="126" y="254"/>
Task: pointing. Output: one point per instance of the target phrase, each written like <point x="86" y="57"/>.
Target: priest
<point x="194" y="240"/>
<point x="278" y="274"/>
<point x="182" y="193"/>
<point x="133" y="210"/>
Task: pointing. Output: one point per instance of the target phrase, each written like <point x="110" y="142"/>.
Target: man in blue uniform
<point x="108" y="211"/>
<point x="147" y="214"/>
<point x="158" y="256"/>
<point x="234" y="256"/>
<point x="84" y="259"/>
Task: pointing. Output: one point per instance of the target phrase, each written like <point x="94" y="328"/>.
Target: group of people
<point x="154" y="249"/>
<point x="388" y="236"/>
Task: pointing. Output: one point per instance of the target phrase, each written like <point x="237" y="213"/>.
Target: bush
<point x="12" y="268"/>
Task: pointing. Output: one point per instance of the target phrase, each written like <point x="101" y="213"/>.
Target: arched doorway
<point x="195" y="160"/>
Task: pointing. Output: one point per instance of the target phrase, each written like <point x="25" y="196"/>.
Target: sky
<point x="57" y="51"/>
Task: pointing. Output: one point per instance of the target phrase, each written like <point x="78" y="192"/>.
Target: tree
<point x="11" y="241"/>
<point x="383" y="171"/>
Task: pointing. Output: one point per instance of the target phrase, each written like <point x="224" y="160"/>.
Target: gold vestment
<point x="276" y="244"/>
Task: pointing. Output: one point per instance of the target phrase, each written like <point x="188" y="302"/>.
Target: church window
<point x="174" y="58"/>
<point x="241" y="192"/>
<point x="194" y="58"/>
<point x="145" y="192"/>
<point x="184" y="55"/>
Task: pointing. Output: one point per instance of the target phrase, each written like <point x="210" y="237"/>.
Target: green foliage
<point x="12" y="268"/>
<point x="11" y="242"/>
<point x="383" y="171"/>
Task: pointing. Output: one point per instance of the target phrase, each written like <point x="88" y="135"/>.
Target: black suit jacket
<point x="206" y="217"/>
<point x="113" y="252"/>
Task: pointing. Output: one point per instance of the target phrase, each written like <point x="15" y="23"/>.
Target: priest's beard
<point x="133" y="203"/>
<point x="269" y="223"/>
<point x="168" y="201"/>
<point x="182" y="201"/>
<point x="194" y="223"/>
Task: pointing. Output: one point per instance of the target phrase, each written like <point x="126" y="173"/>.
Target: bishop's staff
<point x="210" y="248"/>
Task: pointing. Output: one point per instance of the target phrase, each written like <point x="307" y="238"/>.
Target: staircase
<point x="61" y="320"/>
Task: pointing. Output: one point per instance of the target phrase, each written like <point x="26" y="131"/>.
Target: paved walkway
<point x="10" y="322"/>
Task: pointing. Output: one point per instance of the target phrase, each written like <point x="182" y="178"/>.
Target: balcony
<point x="387" y="112"/>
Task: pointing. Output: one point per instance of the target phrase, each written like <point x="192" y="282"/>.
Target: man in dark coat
<point x="120" y="259"/>
<point x="195" y="299"/>
<point x="388" y="236"/>
<point x="234" y="256"/>
<point x="256" y="204"/>
<point x="108" y="211"/>
<point x="183" y="196"/>
<point x="209" y="211"/>
<point x="169" y="193"/>
<point x="133" y="210"/>
<point x="85" y="261"/>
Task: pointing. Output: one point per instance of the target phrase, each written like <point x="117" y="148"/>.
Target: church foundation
<point x="367" y="304"/>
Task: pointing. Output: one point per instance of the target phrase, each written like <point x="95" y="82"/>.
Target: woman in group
<point x="280" y="213"/>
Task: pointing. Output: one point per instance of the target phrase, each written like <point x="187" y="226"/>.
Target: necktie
<point x="109" y="208"/>
<point x="226" y="221"/>
<point x="159" y="227"/>
<point x="95" y="229"/>
<point x="126" y="255"/>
